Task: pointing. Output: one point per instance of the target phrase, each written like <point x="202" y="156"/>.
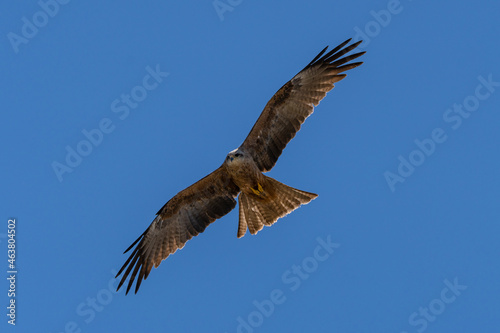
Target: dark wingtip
<point x="131" y="262"/>
<point x="128" y="289"/>
<point x="357" y="43"/>
<point x="335" y="53"/>
<point x="119" y="284"/>
<point x="135" y="242"/>
<point x="318" y="56"/>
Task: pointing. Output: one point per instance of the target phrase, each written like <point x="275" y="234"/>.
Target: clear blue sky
<point x="403" y="154"/>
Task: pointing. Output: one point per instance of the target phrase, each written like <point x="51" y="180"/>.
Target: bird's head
<point x="236" y="155"/>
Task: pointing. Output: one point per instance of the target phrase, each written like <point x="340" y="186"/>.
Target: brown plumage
<point x="294" y="102"/>
<point x="257" y="211"/>
<point x="263" y="200"/>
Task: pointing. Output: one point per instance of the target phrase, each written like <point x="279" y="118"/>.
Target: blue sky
<point x="403" y="154"/>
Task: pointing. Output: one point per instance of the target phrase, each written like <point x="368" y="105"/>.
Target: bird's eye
<point x="237" y="155"/>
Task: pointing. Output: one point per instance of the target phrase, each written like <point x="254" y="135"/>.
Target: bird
<point x="262" y="199"/>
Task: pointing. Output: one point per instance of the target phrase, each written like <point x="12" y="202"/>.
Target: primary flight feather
<point x="263" y="200"/>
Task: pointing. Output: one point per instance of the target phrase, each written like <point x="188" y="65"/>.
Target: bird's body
<point x="243" y="170"/>
<point x="262" y="199"/>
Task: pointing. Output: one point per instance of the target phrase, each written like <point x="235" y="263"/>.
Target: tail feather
<point x="277" y="200"/>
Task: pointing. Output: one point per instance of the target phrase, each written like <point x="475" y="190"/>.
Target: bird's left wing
<point x="185" y="215"/>
<point x="294" y="102"/>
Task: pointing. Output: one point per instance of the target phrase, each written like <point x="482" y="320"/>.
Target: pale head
<point x="237" y="155"/>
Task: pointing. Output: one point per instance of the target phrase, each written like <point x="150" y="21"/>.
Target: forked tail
<point x="276" y="200"/>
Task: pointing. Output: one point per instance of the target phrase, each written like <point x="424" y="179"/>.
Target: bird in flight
<point x="263" y="200"/>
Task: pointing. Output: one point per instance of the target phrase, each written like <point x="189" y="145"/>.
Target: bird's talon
<point x="257" y="191"/>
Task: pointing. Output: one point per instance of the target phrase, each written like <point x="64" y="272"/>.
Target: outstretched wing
<point x="185" y="215"/>
<point x="294" y="102"/>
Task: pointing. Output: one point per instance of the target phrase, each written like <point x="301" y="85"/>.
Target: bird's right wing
<point x="185" y="215"/>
